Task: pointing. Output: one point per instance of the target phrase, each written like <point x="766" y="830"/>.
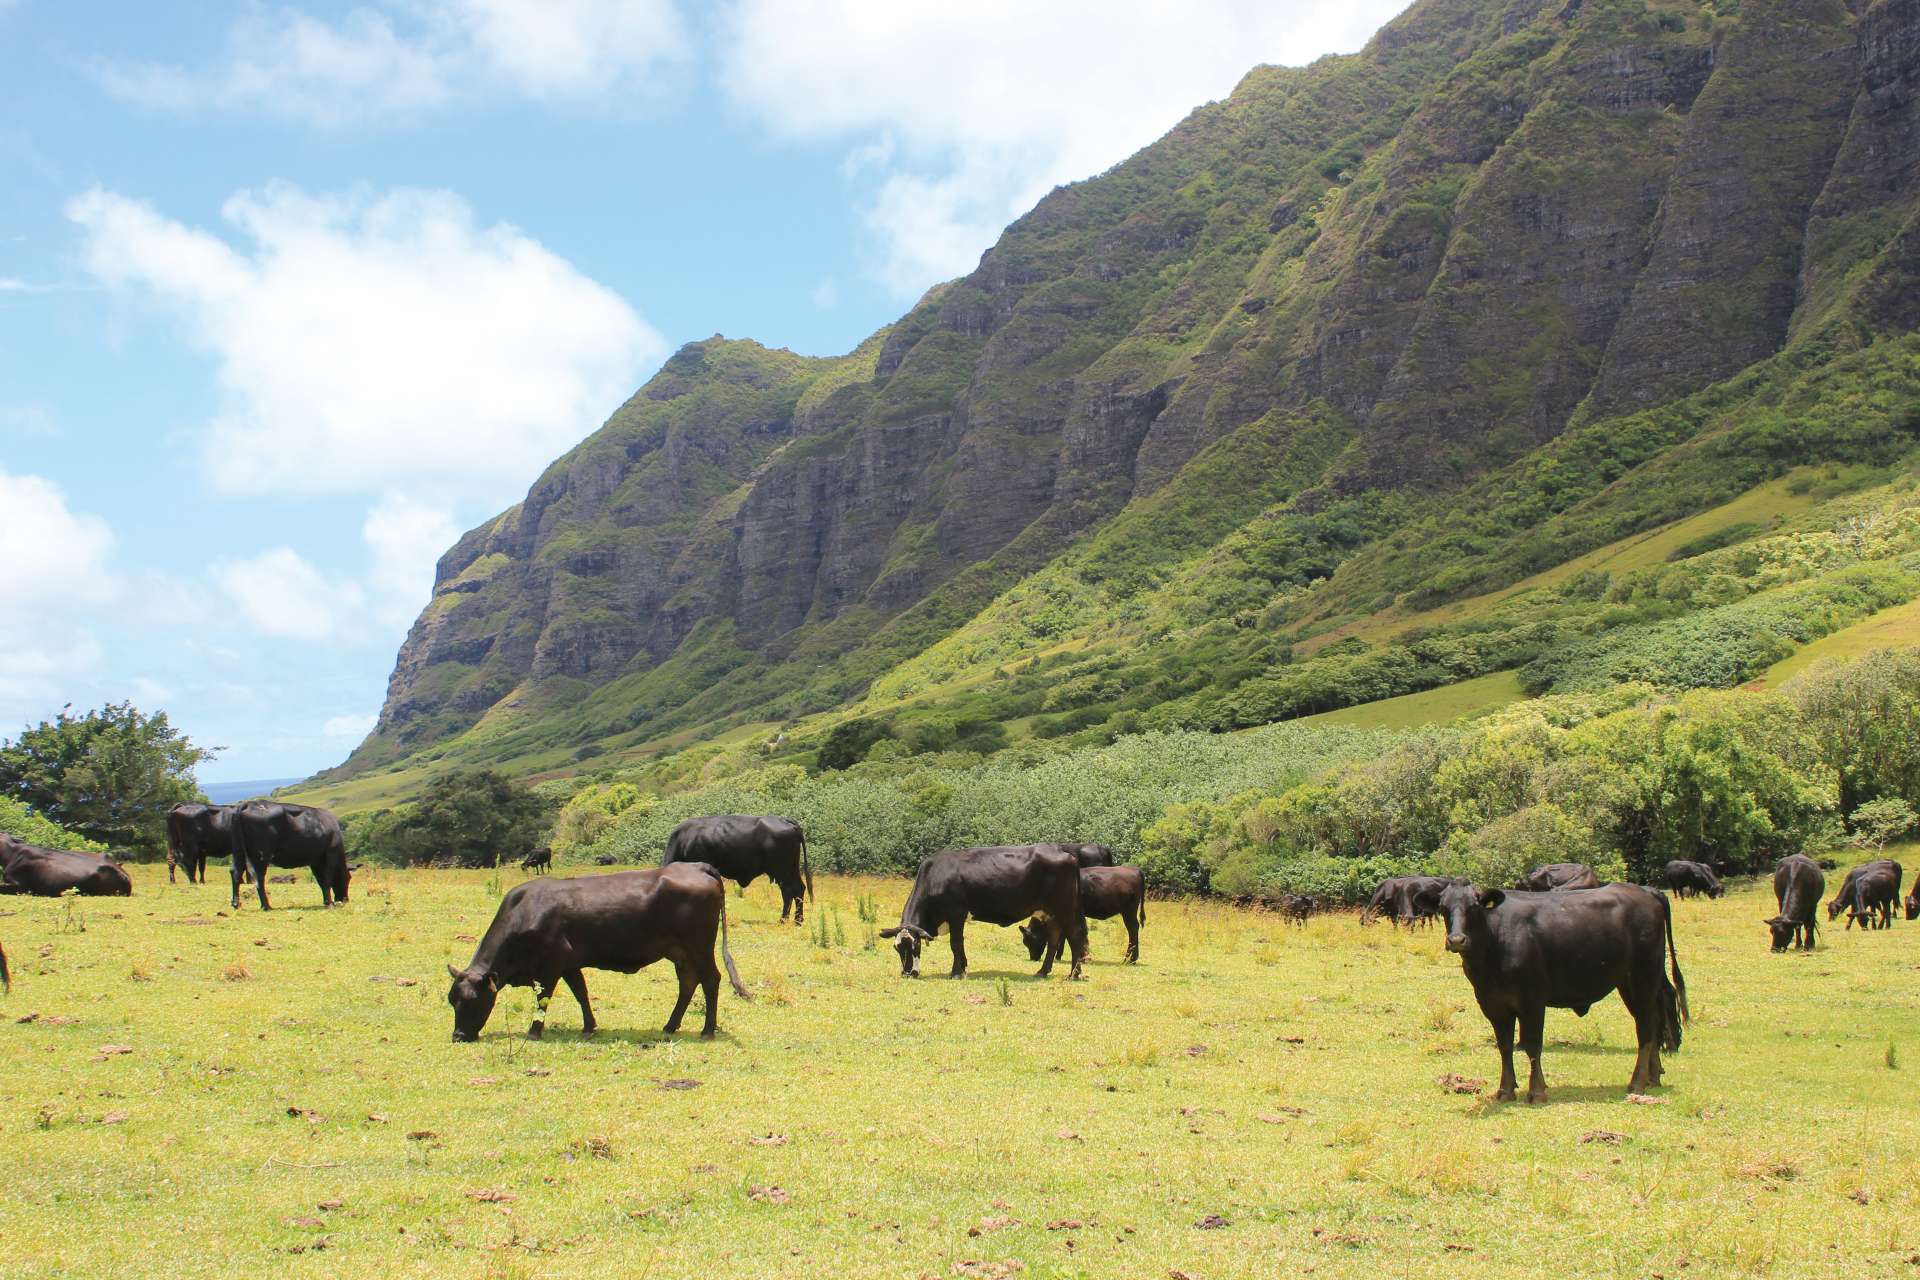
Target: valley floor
<point x="189" y="1091"/>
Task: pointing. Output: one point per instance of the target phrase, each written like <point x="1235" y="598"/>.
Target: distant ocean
<point x="229" y="792"/>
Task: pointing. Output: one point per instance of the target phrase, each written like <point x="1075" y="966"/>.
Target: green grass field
<point x="1432" y="706"/>
<point x="191" y="1092"/>
<point x="1895" y="628"/>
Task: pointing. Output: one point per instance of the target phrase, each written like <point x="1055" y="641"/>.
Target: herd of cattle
<point x="1559" y="939"/>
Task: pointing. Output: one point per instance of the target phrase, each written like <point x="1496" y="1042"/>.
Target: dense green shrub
<point x="1865" y="716"/>
<point x="25" y="825"/>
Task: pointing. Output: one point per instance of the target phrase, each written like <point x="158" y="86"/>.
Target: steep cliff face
<point x="1385" y="274"/>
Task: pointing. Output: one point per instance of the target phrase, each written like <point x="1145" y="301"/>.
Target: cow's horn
<point x="453" y="973"/>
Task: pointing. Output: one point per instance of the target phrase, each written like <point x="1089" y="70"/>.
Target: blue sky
<point x="291" y="294"/>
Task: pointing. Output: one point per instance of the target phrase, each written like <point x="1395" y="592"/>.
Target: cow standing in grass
<point x="1105" y="892"/>
<point x="1526" y="952"/>
<point x="540" y="861"/>
<point x="1797" y="886"/>
<point x="1559" y="875"/>
<point x="269" y="833"/>
<point x="999" y="884"/>
<point x="550" y="931"/>
<point x="195" y="833"/>
<point x="1688" y="878"/>
<point x="1868" y="894"/>
<point x="743" y="848"/>
<point x="1405" y="900"/>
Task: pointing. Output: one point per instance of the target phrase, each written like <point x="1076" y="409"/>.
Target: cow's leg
<point x="1533" y="1024"/>
<point x="683" y="971"/>
<point x="577" y="983"/>
<point x="326" y="886"/>
<point x="1131" y="919"/>
<point x="710" y="987"/>
<point x="540" y="1002"/>
<point x="1077" y="939"/>
<point x="799" y="892"/>
<point x="957" y="935"/>
<point x="1056" y="940"/>
<point x="260" y="882"/>
<point x="237" y="866"/>
<point x="1502" y="1021"/>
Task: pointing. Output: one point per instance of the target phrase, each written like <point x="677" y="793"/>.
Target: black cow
<point x="1559" y="875"/>
<point x="6" y="979"/>
<point x="1405" y="899"/>
<point x="196" y="832"/>
<point x="1797" y="886"/>
<point x="1298" y="907"/>
<point x="1868" y="894"/>
<point x="1105" y="892"/>
<point x="1089" y="854"/>
<point x="742" y="847"/>
<point x="540" y="861"/>
<point x="551" y="931"/>
<point x="48" y="873"/>
<point x="1525" y="952"/>
<point x="1913" y="900"/>
<point x="1688" y="878"/>
<point x="999" y="884"/>
<point x="269" y="833"/>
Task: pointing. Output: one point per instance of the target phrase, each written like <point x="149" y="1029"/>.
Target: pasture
<point x="191" y="1091"/>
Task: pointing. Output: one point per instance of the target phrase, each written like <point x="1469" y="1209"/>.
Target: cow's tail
<point x="806" y="864"/>
<point x="173" y="850"/>
<point x="1675" y="995"/>
<point x="726" y="953"/>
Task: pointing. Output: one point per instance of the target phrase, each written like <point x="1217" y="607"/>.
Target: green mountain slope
<point x="1272" y="418"/>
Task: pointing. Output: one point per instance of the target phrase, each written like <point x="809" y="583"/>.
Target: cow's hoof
<point x="708" y="1034"/>
<point x="1503" y="1095"/>
<point x="587" y="1031"/>
<point x="670" y="1028"/>
<point x="535" y="1031"/>
<point x="1536" y="1097"/>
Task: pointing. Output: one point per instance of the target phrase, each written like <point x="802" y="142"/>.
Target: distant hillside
<point x="1375" y="377"/>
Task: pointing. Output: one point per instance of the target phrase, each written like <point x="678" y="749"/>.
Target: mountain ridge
<point x="1196" y="398"/>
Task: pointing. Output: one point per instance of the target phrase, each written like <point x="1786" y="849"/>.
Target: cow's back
<point x="619" y="921"/>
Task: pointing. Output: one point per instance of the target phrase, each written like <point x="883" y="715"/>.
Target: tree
<point x="1878" y="821"/>
<point x="1866" y="717"/>
<point x="109" y="775"/>
<point x="471" y="817"/>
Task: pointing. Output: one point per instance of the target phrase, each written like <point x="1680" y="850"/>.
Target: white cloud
<point x="361" y="339"/>
<point x="826" y="294"/>
<point x="280" y="594"/>
<point x="968" y="113"/>
<point x="350" y="727"/>
<point x="407" y="56"/>
<point x="406" y="539"/>
<point x="50" y="555"/>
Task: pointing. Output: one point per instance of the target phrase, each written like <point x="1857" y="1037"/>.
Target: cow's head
<point x="472" y="996"/>
<point x="907" y="939"/>
<point x="1716" y="890"/>
<point x="1782" y="932"/>
<point x="1839" y="904"/>
<point x="1464" y="907"/>
<point x="1034" y="934"/>
<point x="1913" y="904"/>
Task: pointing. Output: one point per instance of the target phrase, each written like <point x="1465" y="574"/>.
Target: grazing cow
<point x="196" y="832"/>
<point x="1688" y="878"/>
<point x="1297" y="907"/>
<point x="999" y="884"/>
<point x="540" y="861"/>
<point x="268" y="833"/>
<point x="1105" y="892"/>
<point x="1559" y="875"/>
<point x="1405" y="900"/>
<point x="1868" y="894"/>
<point x="551" y="931"/>
<point x="1913" y="901"/>
<point x="48" y="873"/>
<point x="1088" y="853"/>
<point x="742" y="847"/>
<point x="1525" y="952"/>
<point x="1797" y="886"/>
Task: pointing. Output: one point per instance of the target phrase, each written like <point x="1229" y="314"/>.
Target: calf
<point x="540" y="861"/>
<point x="1298" y="907"/>
<point x="743" y="848"/>
<point x="550" y="931"/>
<point x="1559" y="875"/>
<point x="1688" y="878"/>
<point x="1000" y="884"/>
<point x="1868" y="894"/>
<point x="1406" y="899"/>
<point x="48" y="873"/>
<point x="1105" y="892"/>
<point x="1797" y="886"/>
<point x="1525" y="952"/>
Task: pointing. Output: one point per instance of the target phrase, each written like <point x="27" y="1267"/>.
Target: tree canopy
<point x="108" y="776"/>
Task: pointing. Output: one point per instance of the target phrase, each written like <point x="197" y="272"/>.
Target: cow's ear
<point x="1493" y="898"/>
<point x="888" y="933"/>
<point x="453" y="973"/>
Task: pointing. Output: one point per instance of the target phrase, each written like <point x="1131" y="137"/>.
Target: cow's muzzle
<point x="1457" y="943"/>
<point x="464" y="1037"/>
